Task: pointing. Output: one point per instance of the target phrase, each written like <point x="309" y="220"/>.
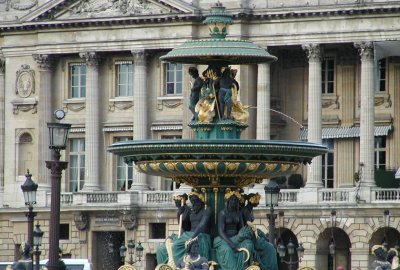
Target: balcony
<point x="288" y="198"/>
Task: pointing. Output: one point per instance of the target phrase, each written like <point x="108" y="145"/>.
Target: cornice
<point x="105" y="22"/>
<point x="321" y="12"/>
<point x="43" y="21"/>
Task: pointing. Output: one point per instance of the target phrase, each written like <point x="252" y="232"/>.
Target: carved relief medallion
<point x="25" y="81"/>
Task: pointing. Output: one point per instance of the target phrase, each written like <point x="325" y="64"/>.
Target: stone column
<point x="2" y="131"/>
<point x="92" y="123"/>
<point x="140" y="102"/>
<point x="46" y="66"/>
<point x="314" y="176"/>
<point x="187" y="82"/>
<point x="366" y="50"/>
<point x="263" y="129"/>
<point x="263" y="102"/>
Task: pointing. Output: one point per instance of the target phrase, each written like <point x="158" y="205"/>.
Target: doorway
<point x="106" y="249"/>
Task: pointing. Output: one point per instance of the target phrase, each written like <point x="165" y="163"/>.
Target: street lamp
<point x="37" y="242"/>
<point x="131" y="251"/>
<point x="29" y="189"/>
<point x="332" y="244"/>
<point x="271" y="200"/>
<point x="386" y="220"/>
<point x="291" y="248"/>
<point x="58" y="139"/>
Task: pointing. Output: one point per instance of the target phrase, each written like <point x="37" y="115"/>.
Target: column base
<point x="90" y="188"/>
<point x="308" y="195"/>
<point x="313" y="185"/>
<point x="139" y="186"/>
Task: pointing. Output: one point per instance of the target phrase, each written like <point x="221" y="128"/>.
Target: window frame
<point x="70" y="76"/>
<point x="127" y="167"/>
<point x="117" y="92"/>
<point x="382" y="75"/>
<point x="380" y="151"/>
<point x="167" y="81"/>
<point x="325" y="82"/>
<point x="80" y="153"/>
<point x="329" y="156"/>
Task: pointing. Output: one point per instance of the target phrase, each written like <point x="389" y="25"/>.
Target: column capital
<point x="139" y="57"/>
<point x="91" y="58"/>
<point x="365" y="49"/>
<point x="2" y="65"/>
<point x="313" y="52"/>
<point x="45" y="61"/>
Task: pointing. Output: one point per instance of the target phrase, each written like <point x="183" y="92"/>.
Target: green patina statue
<point x="195" y="91"/>
<point x="199" y="217"/>
<point x="192" y="260"/>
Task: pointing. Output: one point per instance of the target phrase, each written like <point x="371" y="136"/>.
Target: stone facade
<point x="43" y="43"/>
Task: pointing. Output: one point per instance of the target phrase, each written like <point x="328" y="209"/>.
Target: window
<point x="173" y="79"/>
<point x="380" y="152"/>
<point x="157" y="230"/>
<point x="124" y="73"/>
<point x="328" y="75"/>
<point x="171" y="137"/>
<point x="77" y="164"/>
<point x="64" y="231"/>
<point x="77" y="73"/>
<point x="125" y="172"/>
<point x="382" y="75"/>
<point x="328" y="164"/>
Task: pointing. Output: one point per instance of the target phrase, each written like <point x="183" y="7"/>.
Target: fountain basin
<point x="216" y="163"/>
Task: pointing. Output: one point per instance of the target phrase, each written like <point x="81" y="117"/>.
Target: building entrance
<point x="106" y="249"/>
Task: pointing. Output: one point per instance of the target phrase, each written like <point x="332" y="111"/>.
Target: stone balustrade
<point x="380" y="195"/>
<point x="287" y="198"/>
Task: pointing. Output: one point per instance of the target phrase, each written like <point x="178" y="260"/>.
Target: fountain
<point x="217" y="161"/>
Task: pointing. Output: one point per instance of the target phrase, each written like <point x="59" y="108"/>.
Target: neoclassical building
<point x="336" y="82"/>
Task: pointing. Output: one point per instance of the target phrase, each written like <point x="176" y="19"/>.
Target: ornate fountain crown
<point x="197" y="193"/>
<point x="255" y="199"/>
<point x="229" y="193"/>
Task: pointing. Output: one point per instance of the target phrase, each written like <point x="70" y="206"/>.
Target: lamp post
<point x="29" y="189"/>
<point x="131" y="251"/>
<point x="332" y="244"/>
<point x="291" y="248"/>
<point x="386" y="220"/>
<point x="58" y="139"/>
<point x="271" y="200"/>
<point x="37" y="242"/>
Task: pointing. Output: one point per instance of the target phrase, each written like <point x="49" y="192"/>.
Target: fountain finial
<point x="218" y="21"/>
